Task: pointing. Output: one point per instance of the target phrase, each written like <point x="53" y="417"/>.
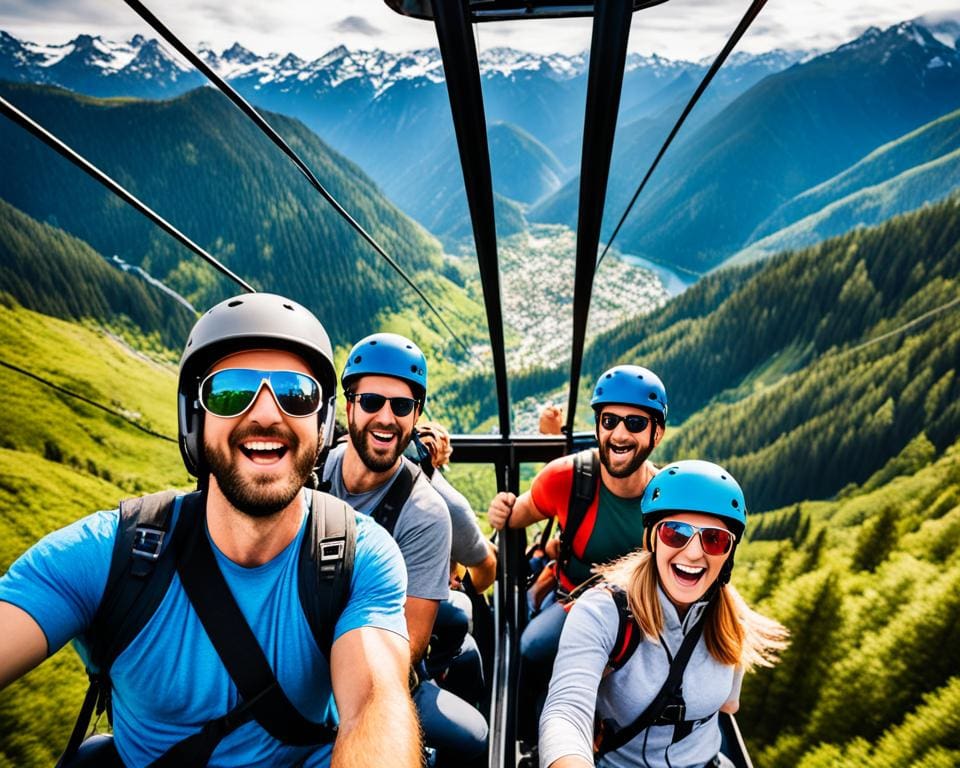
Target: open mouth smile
<point x="263" y="451"/>
<point x="382" y="438"/>
<point x="687" y="575"/>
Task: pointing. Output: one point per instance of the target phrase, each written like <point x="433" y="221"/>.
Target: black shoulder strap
<point x="326" y="565"/>
<point x="611" y="739"/>
<point x="388" y="510"/>
<point x="141" y="566"/>
<point x="262" y="698"/>
<point x="629" y="633"/>
<point x="586" y="475"/>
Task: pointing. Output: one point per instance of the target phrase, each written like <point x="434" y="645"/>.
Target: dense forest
<point x="46" y="270"/>
<point x="869" y="585"/>
<point x="200" y="163"/>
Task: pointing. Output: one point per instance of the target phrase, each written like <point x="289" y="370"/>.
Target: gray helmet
<point x="245" y="322"/>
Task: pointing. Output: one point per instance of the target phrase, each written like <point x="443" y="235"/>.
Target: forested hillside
<point x="764" y="367"/>
<point x="869" y="585"/>
<point x="199" y="163"/>
<point x="49" y="271"/>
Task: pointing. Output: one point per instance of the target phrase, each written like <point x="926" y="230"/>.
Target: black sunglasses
<point x="371" y="402"/>
<point x="635" y="422"/>
<point x="229" y="392"/>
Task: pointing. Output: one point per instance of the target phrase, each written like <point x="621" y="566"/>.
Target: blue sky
<point x="690" y="29"/>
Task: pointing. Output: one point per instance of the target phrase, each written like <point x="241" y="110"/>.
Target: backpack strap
<point x="583" y="489"/>
<point x="629" y="633"/>
<point x="388" y="510"/>
<point x="325" y="567"/>
<point x="141" y="568"/>
<point x="609" y="739"/>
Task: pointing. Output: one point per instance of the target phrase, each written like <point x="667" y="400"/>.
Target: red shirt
<point x="612" y="526"/>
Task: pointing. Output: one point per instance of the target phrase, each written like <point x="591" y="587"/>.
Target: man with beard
<point x="385" y="385"/>
<point x="256" y="392"/>
<point x="630" y="408"/>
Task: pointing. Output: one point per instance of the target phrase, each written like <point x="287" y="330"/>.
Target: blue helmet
<point x="631" y="385"/>
<point x="387" y="354"/>
<point x="695" y="486"/>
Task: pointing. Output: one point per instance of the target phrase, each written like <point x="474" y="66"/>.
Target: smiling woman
<point x="660" y="647"/>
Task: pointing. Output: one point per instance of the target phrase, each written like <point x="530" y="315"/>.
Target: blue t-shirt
<point x="169" y="681"/>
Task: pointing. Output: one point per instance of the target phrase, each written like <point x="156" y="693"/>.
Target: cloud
<point x="356" y="25"/>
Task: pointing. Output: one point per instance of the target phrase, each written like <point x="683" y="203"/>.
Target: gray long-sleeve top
<point x="578" y="688"/>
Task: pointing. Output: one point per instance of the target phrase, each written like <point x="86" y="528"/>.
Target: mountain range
<point x="791" y="131"/>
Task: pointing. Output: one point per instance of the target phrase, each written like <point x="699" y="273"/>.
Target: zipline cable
<point x="742" y="27"/>
<point x="87" y="400"/>
<point x="275" y="137"/>
<point x="89" y="168"/>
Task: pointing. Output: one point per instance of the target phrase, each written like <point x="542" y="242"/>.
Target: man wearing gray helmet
<point x="239" y="565"/>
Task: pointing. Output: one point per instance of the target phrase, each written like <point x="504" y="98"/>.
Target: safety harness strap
<point x="628" y="631"/>
<point x="388" y="510"/>
<point x="326" y="565"/>
<point x="239" y="649"/>
<point x="609" y="739"/>
<point x="586" y="475"/>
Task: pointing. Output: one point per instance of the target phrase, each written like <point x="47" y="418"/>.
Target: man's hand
<point x="551" y="420"/>
<point x="378" y="724"/>
<point x="500" y="508"/>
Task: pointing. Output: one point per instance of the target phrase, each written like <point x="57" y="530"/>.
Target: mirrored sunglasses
<point x="634" y="422"/>
<point x="231" y="391"/>
<point x="714" y="541"/>
<point x="371" y="402"/>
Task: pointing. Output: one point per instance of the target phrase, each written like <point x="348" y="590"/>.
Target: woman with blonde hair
<point x="649" y="657"/>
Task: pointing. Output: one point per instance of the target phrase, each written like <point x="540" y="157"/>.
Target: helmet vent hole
<point x="735" y="503"/>
<point x="652" y="395"/>
<point x="357" y="359"/>
<point x="656" y="494"/>
<point x="672" y="472"/>
<point x="409" y="347"/>
<point x="235" y="303"/>
<point x="609" y="375"/>
<point x="373" y="343"/>
<point x="414" y="369"/>
<point x="723" y="477"/>
<point x="287" y="306"/>
<point x="640" y="376"/>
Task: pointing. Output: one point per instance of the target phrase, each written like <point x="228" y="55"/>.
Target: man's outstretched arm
<point x="378" y="723"/>
<point x="22" y="643"/>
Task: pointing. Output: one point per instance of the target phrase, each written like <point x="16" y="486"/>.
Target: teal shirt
<point x="618" y="530"/>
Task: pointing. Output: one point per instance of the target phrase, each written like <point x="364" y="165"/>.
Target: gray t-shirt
<point x="469" y="545"/>
<point x="423" y="530"/>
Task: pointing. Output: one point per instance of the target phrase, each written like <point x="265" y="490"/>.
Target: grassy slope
<point x="103" y="459"/>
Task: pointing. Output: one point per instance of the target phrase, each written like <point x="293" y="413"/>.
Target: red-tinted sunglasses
<point x="677" y="534"/>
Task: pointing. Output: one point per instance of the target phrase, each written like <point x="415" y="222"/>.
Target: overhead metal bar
<point x="608" y="55"/>
<point x="144" y="13"/>
<point x="510" y="10"/>
<point x="462" y="72"/>
<point x="742" y="27"/>
<point x="10" y="111"/>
